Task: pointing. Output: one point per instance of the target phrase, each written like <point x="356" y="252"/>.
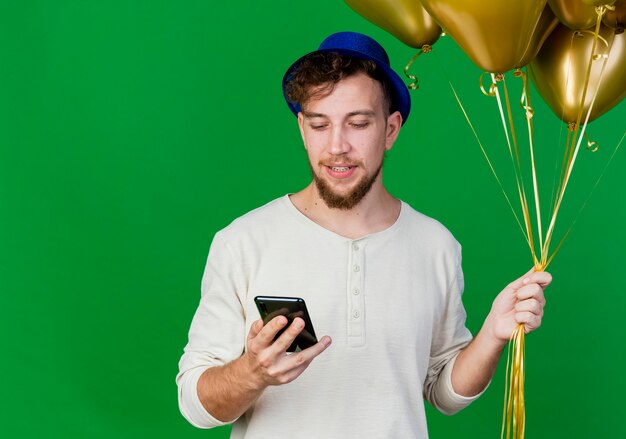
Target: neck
<point x="377" y="211"/>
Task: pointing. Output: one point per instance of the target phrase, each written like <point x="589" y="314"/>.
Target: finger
<point x="286" y="339"/>
<point x="519" y="282"/>
<point x="307" y="355"/>
<point x="294" y="373"/>
<point x="541" y="277"/>
<point x="271" y="328"/>
<point x="255" y="328"/>
<point x="531" y="291"/>
<point x="531" y="305"/>
<point x="293" y="365"/>
<point x="302" y="360"/>
<point x="531" y="321"/>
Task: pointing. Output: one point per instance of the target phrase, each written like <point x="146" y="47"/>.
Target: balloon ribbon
<point x="514" y="408"/>
<point x="514" y="416"/>
<point x="513" y="423"/>
<point x="414" y="85"/>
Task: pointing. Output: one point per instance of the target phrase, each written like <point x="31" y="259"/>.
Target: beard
<point x="345" y="202"/>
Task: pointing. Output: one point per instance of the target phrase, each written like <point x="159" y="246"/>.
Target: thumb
<point x="256" y="327"/>
<point x="522" y="280"/>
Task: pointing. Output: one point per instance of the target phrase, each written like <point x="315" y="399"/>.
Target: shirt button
<point x="355" y="314"/>
<point x="356" y="268"/>
<point x="355" y="291"/>
<point x="355" y="246"/>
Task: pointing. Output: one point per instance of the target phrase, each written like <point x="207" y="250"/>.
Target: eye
<point x="318" y="126"/>
<point x="359" y="125"/>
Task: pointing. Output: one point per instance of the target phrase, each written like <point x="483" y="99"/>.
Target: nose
<point x="339" y="143"/>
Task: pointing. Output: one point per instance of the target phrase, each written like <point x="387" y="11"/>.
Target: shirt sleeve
<point x="449" y="338"/>
<point x="217" y="332"/>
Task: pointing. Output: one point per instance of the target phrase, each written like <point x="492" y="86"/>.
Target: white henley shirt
<point x="391" y="301"/>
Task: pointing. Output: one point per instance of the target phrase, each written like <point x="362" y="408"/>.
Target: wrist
<point x="250" y="374"/>
<point x="489" y="334"/>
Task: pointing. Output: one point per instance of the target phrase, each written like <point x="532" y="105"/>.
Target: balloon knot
<point x="427" y="48"/>
<point x="518" y="73"/>
<point x="571" y="126"/>
<point x="499" y="77"/>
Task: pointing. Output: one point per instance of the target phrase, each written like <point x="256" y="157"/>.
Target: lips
<point x="340" y="171"/>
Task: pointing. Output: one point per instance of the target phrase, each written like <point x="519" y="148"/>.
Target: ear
<point x="301" y="127"/>
<point x="394" y="123"/>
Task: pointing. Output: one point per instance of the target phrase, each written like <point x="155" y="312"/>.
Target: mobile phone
<point x="290" y="307"/>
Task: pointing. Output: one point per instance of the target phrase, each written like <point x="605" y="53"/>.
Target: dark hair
<point x="323" y="70"/>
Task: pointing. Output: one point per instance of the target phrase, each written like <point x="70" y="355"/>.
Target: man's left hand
<point x="522" y="301"/>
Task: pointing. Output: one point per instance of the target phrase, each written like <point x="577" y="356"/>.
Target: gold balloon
<point x="497" y="35"/>
<point x="574" y="13"/>
<point x="407" y="20"/>
<point x="560" y="69"/>
<point x="616" y="19"/>
<point x="546" y="24"/>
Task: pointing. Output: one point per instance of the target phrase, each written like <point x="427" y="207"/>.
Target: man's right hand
<point x="226" y="392"/>
<point x="269" y="361"/>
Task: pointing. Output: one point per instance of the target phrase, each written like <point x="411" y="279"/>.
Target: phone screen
<point x="290" y="307"/>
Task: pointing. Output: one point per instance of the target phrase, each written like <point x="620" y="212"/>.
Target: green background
<point x="131" y="131"/>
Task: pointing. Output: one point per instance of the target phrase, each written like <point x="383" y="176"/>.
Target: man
<point x="382" y="279"/>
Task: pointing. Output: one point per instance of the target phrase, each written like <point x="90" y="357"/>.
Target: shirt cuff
<point x="450" y="401"/>
<point x="189" y="402"/>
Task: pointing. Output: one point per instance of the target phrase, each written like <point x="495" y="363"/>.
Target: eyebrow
<point x="310" y="114"/>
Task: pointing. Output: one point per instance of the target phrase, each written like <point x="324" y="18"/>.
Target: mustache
<point x="340" y="162"/>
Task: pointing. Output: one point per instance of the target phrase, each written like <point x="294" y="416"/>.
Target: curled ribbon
<point x="492" y="88"/>
<point x="414" y="85"/>
<point x="591" y="145"/>
<point x="525" y="99"/>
